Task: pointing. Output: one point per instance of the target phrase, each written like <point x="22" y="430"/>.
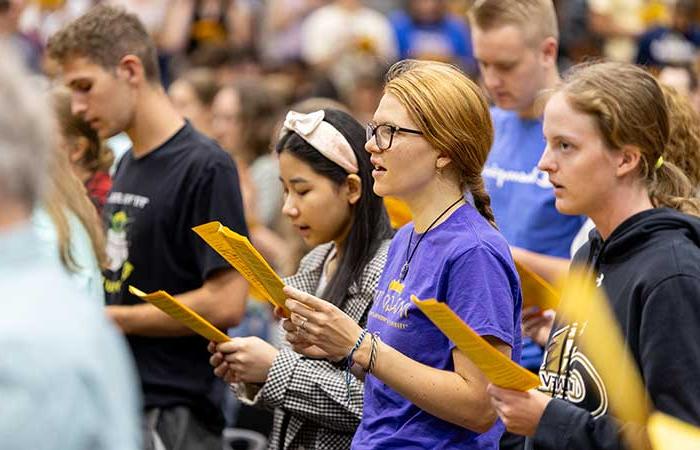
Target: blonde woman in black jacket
<point x="606" y="128"/>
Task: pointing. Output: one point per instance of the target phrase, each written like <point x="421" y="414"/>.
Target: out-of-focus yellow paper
<point x="398" y="211"/>
<point x="241" y="254"/>
<point x="497" y="367"/>
<point x="601" y="339"/>
<point x="182" y="313"/>
<point x="255" y="294"/>
<point x="536" y="291"/>
<point x="669" y="433"/>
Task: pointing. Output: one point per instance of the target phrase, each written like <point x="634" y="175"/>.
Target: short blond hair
<point x="536" y="18"/>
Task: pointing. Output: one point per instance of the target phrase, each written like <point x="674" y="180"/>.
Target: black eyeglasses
<point x="384" y="134"/>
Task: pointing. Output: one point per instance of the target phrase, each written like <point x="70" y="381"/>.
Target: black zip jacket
<point x="650" y="270"/>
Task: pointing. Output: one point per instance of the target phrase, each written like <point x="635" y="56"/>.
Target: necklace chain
<point x="409" y="256"/>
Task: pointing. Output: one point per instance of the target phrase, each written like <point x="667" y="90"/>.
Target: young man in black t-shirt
<point x="171" y="180"/>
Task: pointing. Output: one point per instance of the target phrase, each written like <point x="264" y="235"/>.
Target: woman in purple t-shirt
<point x="429" y="141"/>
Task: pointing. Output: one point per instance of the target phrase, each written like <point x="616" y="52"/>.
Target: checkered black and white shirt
<point x="310" y="397"/>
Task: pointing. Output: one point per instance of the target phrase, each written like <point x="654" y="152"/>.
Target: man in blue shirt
<point x="427" y="30"/>
<point x="515" y="44"/>
<point x="67" y="381"/>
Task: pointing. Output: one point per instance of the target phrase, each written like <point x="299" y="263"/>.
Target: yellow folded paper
<point x="182" y="313"/>
<point x="398" y="211"/>
<point x="498" y="368"/>
<point x="536" y="291"/>
<point x="669" y="433"/>
<point x="241" y="254"/>
<point x="602" y="341"/>
<point x="255" y="294"/>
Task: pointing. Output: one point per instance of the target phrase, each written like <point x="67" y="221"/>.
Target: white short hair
<point x="26" y="130"/>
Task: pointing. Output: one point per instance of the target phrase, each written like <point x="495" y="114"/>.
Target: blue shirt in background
<point x="446" y="40"/>
<point x="67" y="381"/>
<point x="522" y="198"/>
<point x="662" y="46"/>
<point x="467" y="264"/>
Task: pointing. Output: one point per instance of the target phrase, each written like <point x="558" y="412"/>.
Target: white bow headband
<point x="322" y="136"/>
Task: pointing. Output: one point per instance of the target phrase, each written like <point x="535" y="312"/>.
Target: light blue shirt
<point x="522" y="197"/>
<point x="87" y="277"/>
<point x="67" y="381"/>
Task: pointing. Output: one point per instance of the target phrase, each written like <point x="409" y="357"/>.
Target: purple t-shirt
<point x="466" y="263"/>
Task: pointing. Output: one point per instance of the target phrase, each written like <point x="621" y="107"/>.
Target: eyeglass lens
<point x="382" y="134"/>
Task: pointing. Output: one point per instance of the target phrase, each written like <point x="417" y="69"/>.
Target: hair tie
<point x="322" y="136"/>
<point x="659" y="163"/>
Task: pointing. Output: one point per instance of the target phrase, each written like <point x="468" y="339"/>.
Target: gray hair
<point x="26" y="131"/>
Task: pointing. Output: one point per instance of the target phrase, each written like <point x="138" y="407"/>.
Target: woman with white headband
<point x="327" y="180"/>
<point x="429" y="141"/>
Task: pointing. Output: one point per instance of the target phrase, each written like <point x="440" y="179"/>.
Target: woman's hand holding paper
<point x="317" y="328"/>
<point x="521" y="412"/>
<point x="221" y="367"/>
<point x="246" y="359"/>
<point x="537" y="325"/>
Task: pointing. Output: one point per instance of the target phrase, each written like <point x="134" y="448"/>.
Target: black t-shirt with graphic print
<point x="154" y="203"/>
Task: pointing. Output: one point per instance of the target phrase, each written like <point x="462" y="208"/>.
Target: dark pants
<point x="177" y="429"/>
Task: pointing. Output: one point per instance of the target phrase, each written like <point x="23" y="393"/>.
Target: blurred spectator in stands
<point x="193" y="24"/>
<point x="672" y="44"/>
<point x="90" y="160"/>
<point x="228" y="63"/>
<point x="150" y="12"/>
<point x="25" y="45"/>
<point x="281" y="29"/>
<point x="344" y="35"/>
<point x="367" y="90"/>
<point x="618" y="23"/>
<point x="426" y="30"/>
<point x="42" y="18"/>
<point x="193" y="94"/>
<point x="576" y="42"/>
<point x="682" y="78"/>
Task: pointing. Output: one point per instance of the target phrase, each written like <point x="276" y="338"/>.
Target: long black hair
<point x="370" y="222"/>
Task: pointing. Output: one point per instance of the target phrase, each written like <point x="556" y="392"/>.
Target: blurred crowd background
<point x="234" y="67"/>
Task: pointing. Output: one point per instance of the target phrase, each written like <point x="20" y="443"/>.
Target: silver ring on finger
<point x="303" y="324"/>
